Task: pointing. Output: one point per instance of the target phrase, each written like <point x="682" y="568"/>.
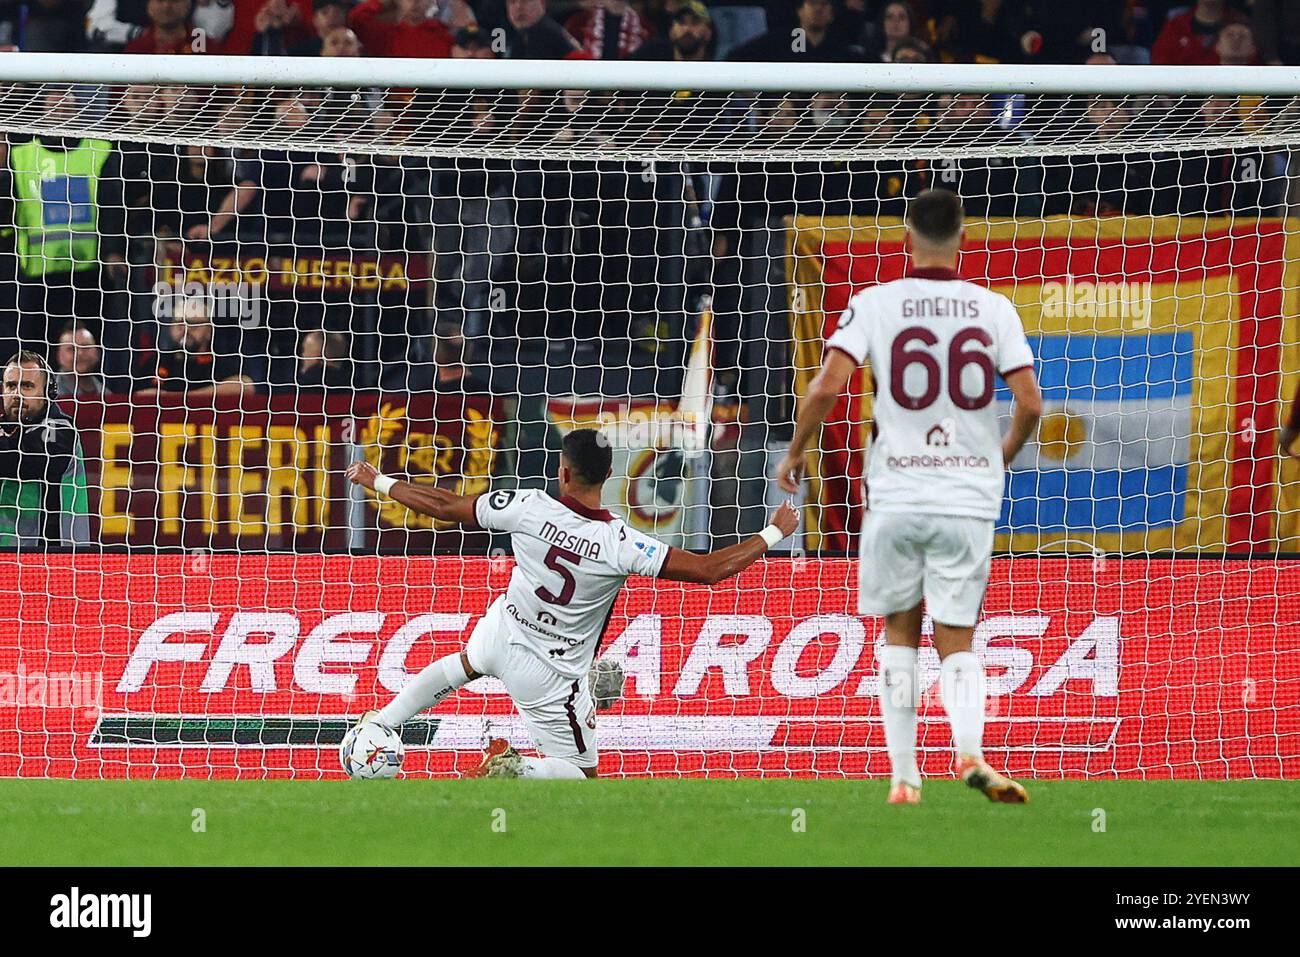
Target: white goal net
<point x="246" y="274"/>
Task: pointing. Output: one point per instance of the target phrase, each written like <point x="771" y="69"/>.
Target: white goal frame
<point x="1082" y="739"/>
<point x="1112" y="80"/>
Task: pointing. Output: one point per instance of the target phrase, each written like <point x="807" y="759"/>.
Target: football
<point x="370" y="751"/>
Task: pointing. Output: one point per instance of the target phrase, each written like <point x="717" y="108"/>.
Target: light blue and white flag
<point x="1113" y="447"/>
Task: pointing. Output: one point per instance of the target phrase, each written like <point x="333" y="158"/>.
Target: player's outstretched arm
<point x="712" y="567"/>
<point x="1026" y="413"/>
<point x="425" y="499"/>
<point x="816" y="404"/>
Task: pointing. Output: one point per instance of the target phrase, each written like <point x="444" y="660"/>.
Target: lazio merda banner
<point x="1165" y="347"/>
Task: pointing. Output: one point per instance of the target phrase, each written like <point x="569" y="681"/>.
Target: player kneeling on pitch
<point x="934" y="344"/>
<point x="541" y="636"/>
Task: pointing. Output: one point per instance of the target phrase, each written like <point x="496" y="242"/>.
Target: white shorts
<point x="943" y="558"/>
<point x="559" y="712"/>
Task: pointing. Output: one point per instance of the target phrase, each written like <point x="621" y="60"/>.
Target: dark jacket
<point x="544" y="40"/>
<point x="42" y="483"/>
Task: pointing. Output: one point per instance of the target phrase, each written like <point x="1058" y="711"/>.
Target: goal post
<point x="246" y="273"/>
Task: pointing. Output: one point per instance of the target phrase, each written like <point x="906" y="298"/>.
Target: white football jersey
<point x="570" y="562"/>
<point x="934" y="343"/>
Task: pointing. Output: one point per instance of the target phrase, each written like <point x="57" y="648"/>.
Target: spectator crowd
<point x="981" y="31"/>
<point x="588" y="257"/>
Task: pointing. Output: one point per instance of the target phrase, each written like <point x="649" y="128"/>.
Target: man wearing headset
<point x="42" y="477"/>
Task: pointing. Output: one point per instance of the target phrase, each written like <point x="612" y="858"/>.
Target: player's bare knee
<point x="904" y="627"/>
<point x="951" y="639"/>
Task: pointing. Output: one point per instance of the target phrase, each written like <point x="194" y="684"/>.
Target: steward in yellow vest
<point x="56" y="218"/>
<point x="62" y="217"/>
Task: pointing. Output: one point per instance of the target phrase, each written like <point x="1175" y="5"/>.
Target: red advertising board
<point x="249" y="666"/>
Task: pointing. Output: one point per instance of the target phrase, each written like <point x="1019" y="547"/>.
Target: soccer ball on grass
<point x="371" y="750"/>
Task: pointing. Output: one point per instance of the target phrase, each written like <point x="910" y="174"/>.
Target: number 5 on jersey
<point x="556" y="560"/>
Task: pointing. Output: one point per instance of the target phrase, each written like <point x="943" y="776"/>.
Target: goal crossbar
<point x="508" y="110"/>
<point x="629" y="75"/>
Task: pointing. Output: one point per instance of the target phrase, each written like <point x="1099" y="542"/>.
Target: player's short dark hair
<point x="936" y="215"/>
<point x="589" y="455"/>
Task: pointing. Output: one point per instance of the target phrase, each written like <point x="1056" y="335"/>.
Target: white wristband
<point x="384" y="483"/>
<point x="771" y="535"/>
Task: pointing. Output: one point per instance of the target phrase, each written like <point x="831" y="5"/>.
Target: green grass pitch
<point x="661" y="822"/>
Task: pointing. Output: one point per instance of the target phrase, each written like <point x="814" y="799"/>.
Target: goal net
<point x="246" y="274"/>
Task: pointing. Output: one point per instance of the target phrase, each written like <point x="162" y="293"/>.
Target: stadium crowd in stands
<point x="578" y="248"/>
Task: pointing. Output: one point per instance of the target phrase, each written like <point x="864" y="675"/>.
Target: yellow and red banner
<point x="1165" y="347"/>
<point x="267" y="473"/>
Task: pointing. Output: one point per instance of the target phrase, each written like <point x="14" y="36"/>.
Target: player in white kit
<point x="540" y="637"/>
<point x="934" y="344"/>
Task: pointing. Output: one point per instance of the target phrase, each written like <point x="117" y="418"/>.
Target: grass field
<point x="422" y="822"/>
